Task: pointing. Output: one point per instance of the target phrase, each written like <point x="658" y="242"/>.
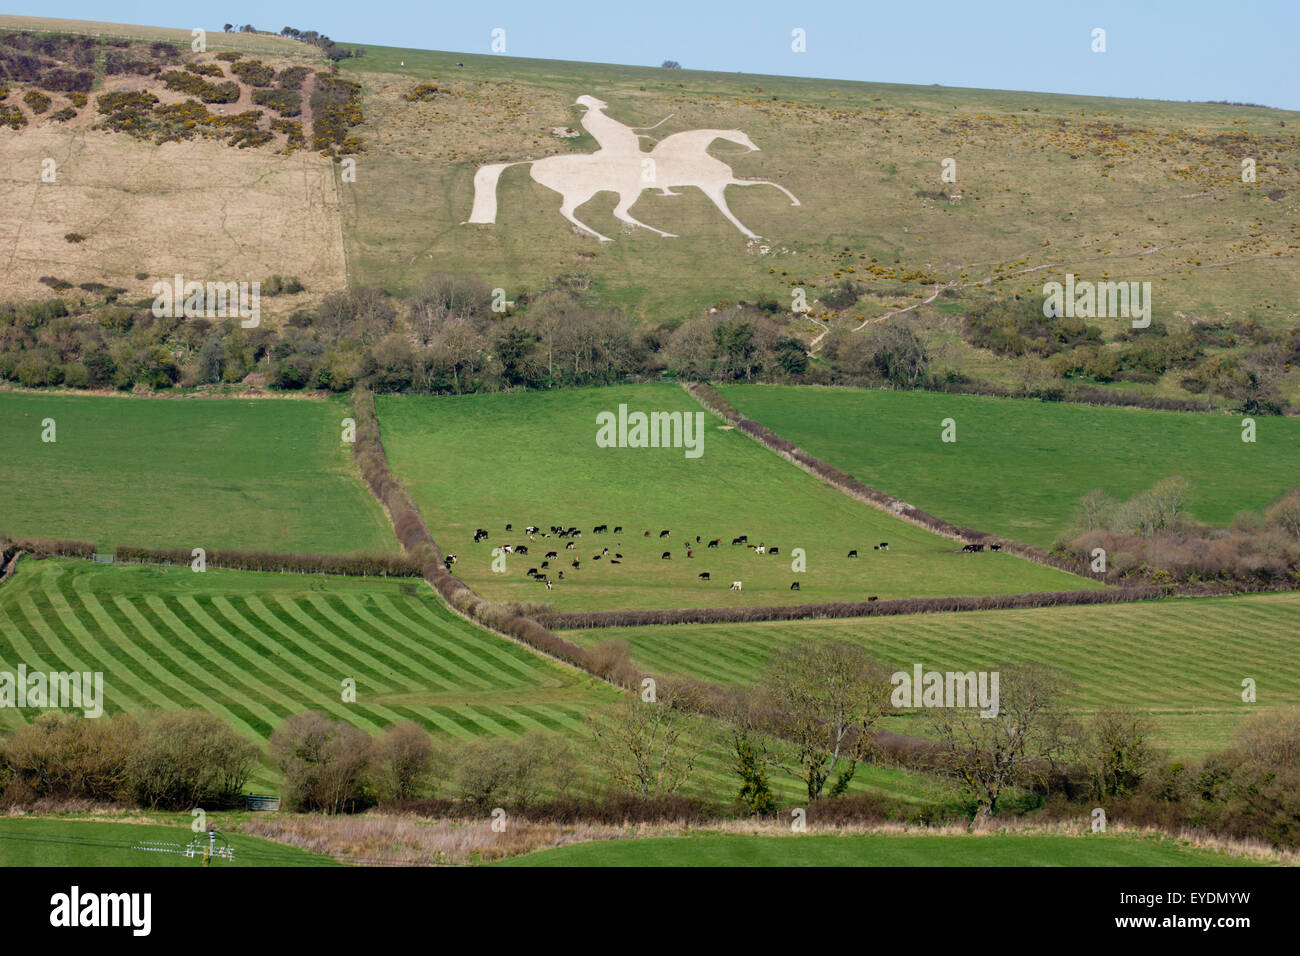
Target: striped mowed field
<point x="256" y="648"/>
<point x="1182" y="660"/>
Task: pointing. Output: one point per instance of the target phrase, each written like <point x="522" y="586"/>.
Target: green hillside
<point x="531" y="458"/>
<point x="1018" y="467"/>
<point x="1181" y="661"/>
<point x="263" y="475"/>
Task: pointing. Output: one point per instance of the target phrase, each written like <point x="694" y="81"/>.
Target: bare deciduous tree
<point x="825" y="698"/>
<point x="645" y="746"/>
<point x="990" y="754"/>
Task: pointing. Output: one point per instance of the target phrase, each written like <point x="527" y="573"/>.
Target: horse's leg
<point x="765" y="182"/>
<point x="715" y="192"/>
<point x="571" y="202"/>
<point x="625" y="201"/>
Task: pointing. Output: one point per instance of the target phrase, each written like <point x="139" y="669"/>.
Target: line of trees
<point x="163" y="760"/>
<point x="1151" y="537"/>
<point x="378" y="564"/>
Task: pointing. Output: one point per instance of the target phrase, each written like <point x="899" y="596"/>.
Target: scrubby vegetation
<point x="336" y="107"/>
<point x="1150" y="538"/>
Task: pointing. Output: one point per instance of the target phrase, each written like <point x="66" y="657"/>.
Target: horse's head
<point x="590" y="102"/>
<point x="739" y="138"/>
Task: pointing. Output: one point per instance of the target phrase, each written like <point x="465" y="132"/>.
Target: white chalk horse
<point x="681" y="159"/>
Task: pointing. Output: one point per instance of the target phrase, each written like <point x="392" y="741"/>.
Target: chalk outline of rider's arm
<point x="663" y="190"/>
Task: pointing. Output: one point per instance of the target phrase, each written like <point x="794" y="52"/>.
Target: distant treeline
<point x="447" y="338"/>
<point x="359" y="565"/>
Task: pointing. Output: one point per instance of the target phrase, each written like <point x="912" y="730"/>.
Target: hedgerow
<point x="355" y="565"/>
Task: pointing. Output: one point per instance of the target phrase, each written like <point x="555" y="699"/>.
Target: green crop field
<point x="1183" y="661"/>
<point x="265" y="474"/>
<point x="880" y="850"/>
<point x="531" y="458"/>
<point x="26" y="841"/>
<point x="1019" y="466"/>
<point x="255" y="648"/>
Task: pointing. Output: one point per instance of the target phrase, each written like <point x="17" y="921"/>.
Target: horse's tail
<point x="485" y="192"/>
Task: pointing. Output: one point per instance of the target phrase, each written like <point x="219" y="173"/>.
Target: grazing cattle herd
<point x="564" y="531"/>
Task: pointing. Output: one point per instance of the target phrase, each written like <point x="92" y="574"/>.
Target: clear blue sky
<point x="1160" y="49"/>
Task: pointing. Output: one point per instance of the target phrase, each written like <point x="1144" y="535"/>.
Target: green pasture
<point x="1019" y="466"/>
<point x="261" y="474"/>
<point x="485" y="461"/>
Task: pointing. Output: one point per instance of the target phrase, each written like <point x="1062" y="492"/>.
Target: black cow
<point x="773" y="550"/>
<point x="883" y="546"/>
<point x="715" y="542"/>
<point x="507" y="527"/>
<point x="600" y="529"/>
<point x="995" y="547"/>
<point x="595" y="557"/>
<point x="552" y="554"/>
<point x="618" y="529"/>
<point x="617" y="555"/>
<point x="522" y="549"/>
<point x="614" y="561"/>
<point x="666" y="556"/>
<point x="873" y="598"/>
<point x="576" y="562"/>
<point x="853" y="553"/>
<point x="570" y="546"/>
<point x="532" y="572"/>
<point x="794" y="586"/>
<point x="705" y="576"/>
<point x="663" y="534"/>
<point x="546" y="564"/>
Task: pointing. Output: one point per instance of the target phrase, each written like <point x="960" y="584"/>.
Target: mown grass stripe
<point x="316" y="689"/>
<point x="133" y="656"/>
<point x="343" y="660"/>
<point x="434" y="677"/>
<point x="202" y="681"/>
<point x="336" y="614"/>
<point x="466" y="672"/>
<point x="500" y="654"/>
<point x="451" y="649"/>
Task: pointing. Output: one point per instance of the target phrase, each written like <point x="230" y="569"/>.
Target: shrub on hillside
<point x="182" y="82"/>
<point x="324" y="763"/>
<point x="65" y="755"/>
<point x="188" y="758"/>
<point x="285" y="102"/>
<point x="36" y="101"/>
<point x="253" y="72"/>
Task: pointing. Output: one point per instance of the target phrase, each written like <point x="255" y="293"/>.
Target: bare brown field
<point x="199" y="208"/>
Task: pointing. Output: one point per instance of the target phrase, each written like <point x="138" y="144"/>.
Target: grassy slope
<point x="94" y="843"/>
<point x="258" y="647"/>
<point x="263" y="474"/>
<point x="878" y="850"/>
<point x="1155" y="191"/>
<point x="531" y="458"/>
<point x="255" y="648"/>
<point x="1018" y="466"/>
<point x="1182" y="661"/>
